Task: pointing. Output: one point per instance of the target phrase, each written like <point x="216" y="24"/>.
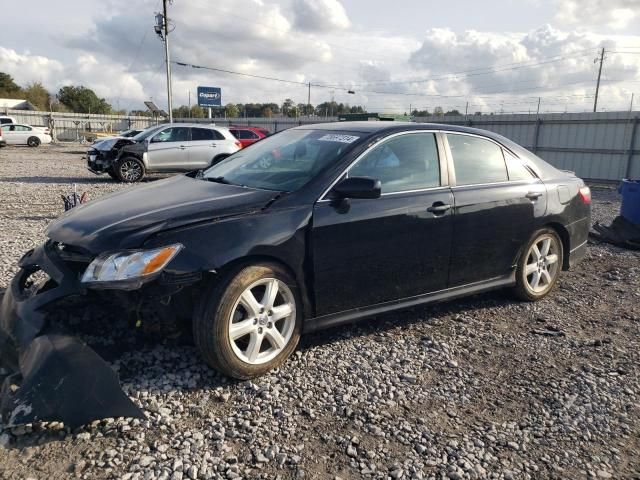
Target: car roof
<point x="201" y="125"/>
<point x="382" y="126"/>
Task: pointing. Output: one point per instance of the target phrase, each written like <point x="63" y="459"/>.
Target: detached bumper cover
<point x="58" y="378"/>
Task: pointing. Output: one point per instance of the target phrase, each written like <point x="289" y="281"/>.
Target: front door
<point x="496" y="209"/>
<point x="392" y="247"/>
<point x="168" y="149"/>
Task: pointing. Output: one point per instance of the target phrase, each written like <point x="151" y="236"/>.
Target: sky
<point x="488" y="56"/>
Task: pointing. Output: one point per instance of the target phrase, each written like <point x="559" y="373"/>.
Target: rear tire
<point x="129" y="170"/>
<point x="249" y="321"/>
<point x="33" y="142"/>
<point x="539" y="266"/>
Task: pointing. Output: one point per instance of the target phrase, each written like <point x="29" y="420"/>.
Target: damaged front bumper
<point x="99" y="161"/>
<point x="50" y="377"/>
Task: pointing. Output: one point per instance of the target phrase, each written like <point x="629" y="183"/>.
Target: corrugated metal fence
<point x="598" y="146"/>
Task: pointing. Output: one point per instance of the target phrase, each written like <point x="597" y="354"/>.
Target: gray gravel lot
<point x="485" y="387"/>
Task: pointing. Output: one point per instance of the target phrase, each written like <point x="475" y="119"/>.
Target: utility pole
<point x="631" y="104"/>
<point x="595" y="102"/>
<point x="309" y="100"/>
<point x="189" y="103"/>
<point x="167" y="59"/>
<point x="538" y="111"/>
<point x="466" y="110"/>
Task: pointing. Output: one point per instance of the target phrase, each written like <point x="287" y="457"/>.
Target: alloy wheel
<point x="130" y="170"/>
<point x="262" y="321"/>
<point x="542" y="264"/>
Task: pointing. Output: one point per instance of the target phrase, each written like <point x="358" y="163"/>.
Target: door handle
<point x="533" y="195"/>
<point x="439" y="208"/>
<point x="214" y="145"/>
<point x="182" y="147"/>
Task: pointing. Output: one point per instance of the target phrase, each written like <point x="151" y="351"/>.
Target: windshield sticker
<point x="332" y="137"/>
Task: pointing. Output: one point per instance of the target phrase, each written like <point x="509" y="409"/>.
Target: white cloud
<point x="107" y="79"/>
<point x="320" y="15"/>
<point x="616" y="14"/>
<point x="544" y="62"/>
<point x="26" y="68"/>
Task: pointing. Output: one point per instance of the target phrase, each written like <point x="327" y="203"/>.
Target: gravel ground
<point x="485" y="387"/>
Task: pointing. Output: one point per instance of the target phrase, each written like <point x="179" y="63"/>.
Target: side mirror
<point x="358" y="187"/>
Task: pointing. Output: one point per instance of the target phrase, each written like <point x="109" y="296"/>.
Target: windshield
<point x="285" y="161"/>
<point x="143" y="135"/>
<point x="129" y="133"/>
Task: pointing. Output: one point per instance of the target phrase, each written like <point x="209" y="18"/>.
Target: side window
<point x="406" y="162"/>
<point x="517" y="170"/>
<point x="198" y="134"/>
<point x="476" y="160"/>
<point x="235" y="133"/>
<point x="174" y="134"/>
<point x="251" y="135"/>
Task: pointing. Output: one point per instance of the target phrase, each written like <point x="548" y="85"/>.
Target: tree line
<point x="80" y="99"/>
<point x="70" y="98"/>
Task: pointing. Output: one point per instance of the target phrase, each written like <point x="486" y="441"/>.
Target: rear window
<point x="476" y="160"/>
<point x="517" y="170"/>
<point x="203" y="134"/>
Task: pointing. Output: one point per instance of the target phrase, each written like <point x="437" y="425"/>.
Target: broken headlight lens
<point x="129" y="265"/>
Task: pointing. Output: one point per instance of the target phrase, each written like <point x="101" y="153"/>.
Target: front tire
<point x="539" y="266"/>
<point x="129" y="170"/>
<point x="249" y="322"/>
<point x="33" y="142"/>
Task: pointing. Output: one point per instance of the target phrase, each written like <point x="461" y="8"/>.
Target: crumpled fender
<point x="51" y="377"/>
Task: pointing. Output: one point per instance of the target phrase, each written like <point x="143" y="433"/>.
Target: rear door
<point x="496" y="208"/>
<point x="388" y="248"/>
<point x="204" y="146"/>
<point x="168" y="149"/>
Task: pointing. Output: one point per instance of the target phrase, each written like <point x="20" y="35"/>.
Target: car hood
<point x="125" y="219"/>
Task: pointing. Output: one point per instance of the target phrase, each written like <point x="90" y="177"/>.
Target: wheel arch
<point x="253" y="259"/>
<point x="563" y="233"/>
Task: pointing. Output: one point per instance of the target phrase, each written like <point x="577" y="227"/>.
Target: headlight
<point x="129" y="265"/>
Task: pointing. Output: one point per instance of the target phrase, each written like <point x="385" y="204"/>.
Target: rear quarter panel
<point x="566" y="208"/>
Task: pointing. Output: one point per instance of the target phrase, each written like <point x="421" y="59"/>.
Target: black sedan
<point x="309" y="228"/>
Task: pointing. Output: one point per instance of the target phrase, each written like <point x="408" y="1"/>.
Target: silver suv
<point x="176" y="147"/>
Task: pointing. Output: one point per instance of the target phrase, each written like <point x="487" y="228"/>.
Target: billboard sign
<point x="209" y="96"/>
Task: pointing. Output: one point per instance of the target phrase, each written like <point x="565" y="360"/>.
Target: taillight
<point x="585" y="195"/>
<point x="238" y="144"/>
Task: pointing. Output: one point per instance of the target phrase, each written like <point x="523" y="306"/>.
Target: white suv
<point x="177" y="147"/>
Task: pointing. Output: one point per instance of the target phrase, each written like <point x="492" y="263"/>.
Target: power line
<point x="532" y="88"/>
<point x="476" y="71"/>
